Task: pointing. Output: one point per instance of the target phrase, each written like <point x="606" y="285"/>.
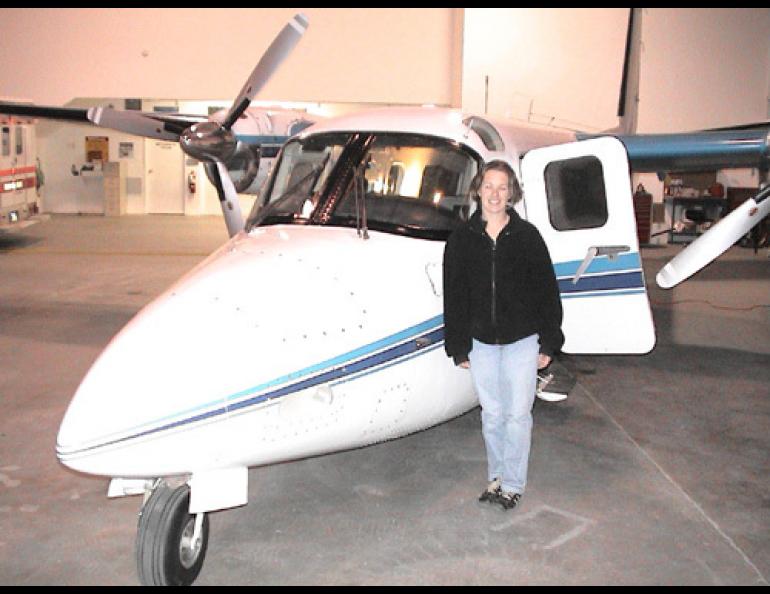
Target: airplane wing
<point x="696" y="151"/>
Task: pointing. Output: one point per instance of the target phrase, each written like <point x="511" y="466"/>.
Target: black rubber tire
<point x="162" y="556"/>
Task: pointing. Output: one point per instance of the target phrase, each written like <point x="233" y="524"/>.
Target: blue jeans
<point x="505" y="378"/>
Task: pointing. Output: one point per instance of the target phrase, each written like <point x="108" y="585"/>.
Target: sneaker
<point x="542" y="391"/>
<point x="508" y="499"/>
<point x="492" y="492"/>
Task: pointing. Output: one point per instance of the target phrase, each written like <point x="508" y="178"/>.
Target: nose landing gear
<point x="170" y="543"/>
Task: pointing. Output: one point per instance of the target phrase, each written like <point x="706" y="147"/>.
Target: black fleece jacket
<point x="499" y="292"/>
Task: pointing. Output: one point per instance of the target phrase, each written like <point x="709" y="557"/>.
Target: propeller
<point x="210" y="141"/>
<point x="715" y="241"/>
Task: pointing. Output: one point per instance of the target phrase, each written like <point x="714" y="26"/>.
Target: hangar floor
<point x="655" y="470"/>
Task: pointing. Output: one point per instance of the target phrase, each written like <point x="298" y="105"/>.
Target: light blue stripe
<point x="263" y="139"/>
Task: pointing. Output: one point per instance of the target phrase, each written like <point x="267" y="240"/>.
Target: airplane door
<point x="579" y="197"/>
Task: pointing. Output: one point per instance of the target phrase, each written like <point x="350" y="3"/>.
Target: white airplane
<point x="318" y="326"/>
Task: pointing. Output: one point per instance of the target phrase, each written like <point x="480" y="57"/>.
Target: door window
<point x="577" y="198"/>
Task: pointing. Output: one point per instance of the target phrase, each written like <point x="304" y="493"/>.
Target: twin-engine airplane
<point x="318" y="326"/>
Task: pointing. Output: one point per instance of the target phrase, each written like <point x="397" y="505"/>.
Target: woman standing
<point x="502" y="317"/>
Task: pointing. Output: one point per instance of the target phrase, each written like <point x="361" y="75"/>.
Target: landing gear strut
<point x="170" y="543"/>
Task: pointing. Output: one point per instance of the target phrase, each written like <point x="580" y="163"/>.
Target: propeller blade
<point x="228" y="198"/>
<point x="132" y="123"/>
<point x="71" y="114"/>
<point x="715" y="241"/>
<point x="282" y="45"/>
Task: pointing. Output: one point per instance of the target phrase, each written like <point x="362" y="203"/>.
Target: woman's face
<point x="494" y="192"/>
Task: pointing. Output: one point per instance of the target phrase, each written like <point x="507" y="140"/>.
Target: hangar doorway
<point x="164" y="175"/>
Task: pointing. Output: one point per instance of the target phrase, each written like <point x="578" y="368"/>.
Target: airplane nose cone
<point x="148" y="378"/>
<point x="165" y="372"/>
<point x="155" y="402"/>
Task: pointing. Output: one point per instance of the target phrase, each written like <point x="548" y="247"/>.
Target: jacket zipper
<point x="494" y="275"/>
<point x="494" y="288"/>
<point x="503" y="233"/>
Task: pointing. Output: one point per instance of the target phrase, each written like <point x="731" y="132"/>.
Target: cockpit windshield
<point x="296" y="187"/>
<point x="398" y="183"/>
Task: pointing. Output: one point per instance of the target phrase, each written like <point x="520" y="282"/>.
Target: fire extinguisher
<point x="191" y="182"/>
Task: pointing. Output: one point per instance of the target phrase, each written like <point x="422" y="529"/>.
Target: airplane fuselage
<point x="319" y="327"/>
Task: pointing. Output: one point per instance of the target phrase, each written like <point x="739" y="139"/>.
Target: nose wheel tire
<point x="167" y="552"/>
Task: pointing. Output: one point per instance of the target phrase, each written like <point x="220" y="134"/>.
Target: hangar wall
<point x="700" y="67"/>
<point x="704" y="67"/>
<point x="537" y="64"/>
<point x="563" y="63"/>
<point x="405" y="55"/>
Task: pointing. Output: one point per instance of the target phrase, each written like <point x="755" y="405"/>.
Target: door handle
<point x="595" y="251"/>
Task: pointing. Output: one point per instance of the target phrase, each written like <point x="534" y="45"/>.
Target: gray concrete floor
<point x="655" y="470"/>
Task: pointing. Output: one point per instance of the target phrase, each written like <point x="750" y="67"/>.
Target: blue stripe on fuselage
<point x="605" y="282"/>
<point x="617" y="276"/>
<point x="388" y="351"/>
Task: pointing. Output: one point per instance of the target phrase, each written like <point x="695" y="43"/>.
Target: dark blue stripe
<point x="606" y="282"/>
